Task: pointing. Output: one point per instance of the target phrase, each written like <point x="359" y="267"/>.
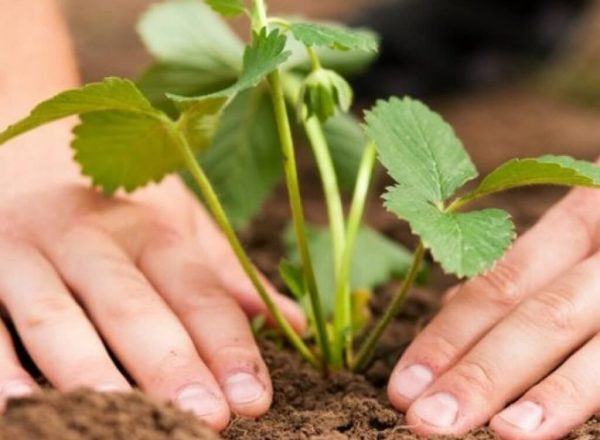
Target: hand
<point x="527" y="330"/>
<point x="148" y="275"/>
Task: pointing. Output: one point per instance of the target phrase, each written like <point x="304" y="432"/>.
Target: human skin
<point x="525" y="332"/>
<point x="147" y="277"/>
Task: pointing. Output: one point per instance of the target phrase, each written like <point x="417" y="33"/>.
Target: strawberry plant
<point x="223" y="115"/>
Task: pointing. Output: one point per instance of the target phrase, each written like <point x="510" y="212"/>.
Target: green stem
<point x="343" y="300"/>
<point x="333" y="199"/>
<point x="368" y="346"/>
<point x="291" y="174"/>
<point x="315" y="63"/>
<point x="260" y="20"/>
<point x="222" y="220"/>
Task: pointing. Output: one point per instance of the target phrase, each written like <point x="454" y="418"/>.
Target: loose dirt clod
<point x="86" y="415"/>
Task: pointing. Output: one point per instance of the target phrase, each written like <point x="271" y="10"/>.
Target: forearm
<point x="36" y="62"/>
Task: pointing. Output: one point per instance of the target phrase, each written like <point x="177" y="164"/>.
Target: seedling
<point x="226" y="122"/>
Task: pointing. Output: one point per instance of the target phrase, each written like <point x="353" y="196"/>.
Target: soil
<point x="84" y="415"/>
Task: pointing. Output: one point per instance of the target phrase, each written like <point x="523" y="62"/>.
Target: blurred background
<point x="515" y="78"/>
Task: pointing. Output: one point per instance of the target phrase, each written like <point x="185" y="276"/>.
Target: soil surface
<point x="84" y="415"/>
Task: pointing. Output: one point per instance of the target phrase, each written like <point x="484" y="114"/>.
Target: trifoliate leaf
<point x="418" y="148"/>
<point x="377" y="259"/>
<point x="244" y="161"/>
<point x="227" y="8"/>
<point x="465" y="244"/>
<point x="189" y="33"/>
<point x="110" y="94"/>
<point x="346" y="141"/>
<point x="124" y="149"/>
<point x="334" y="36"/>
<point x="545" y="170"/>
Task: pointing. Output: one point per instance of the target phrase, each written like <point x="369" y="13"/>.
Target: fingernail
<point x="438" y="410"/>
<point x="16" y="389"/>
<point x="526" y="416"/>
<point x="242" y="388"/>
<point x="198" y="400"/>
<point x="412" y="381"/>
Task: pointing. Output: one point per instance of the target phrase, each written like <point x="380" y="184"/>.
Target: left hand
<point x="528" y="330"/>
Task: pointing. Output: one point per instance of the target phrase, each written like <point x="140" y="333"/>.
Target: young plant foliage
<point x="227" y="8"/>
<point x="377" y="259"/>
<point x="334" y="36"/>
<point x="262" y="57"/>
<point x="208" y="109"/>
<point x="244" y="160"/>
<point x="545" y="170"/>
<point x="189" y="33"/>
<point x="429" y="164"/>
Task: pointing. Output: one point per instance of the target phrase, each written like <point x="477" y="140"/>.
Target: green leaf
<point x="244" y="161"/>
<point x="261" y="58"/>
<point x="227" y="8"/>
<point x="346" y="141"/>
<point x="124" y="149"/>
<point x="189" y="33"/>
<point x="110" y="94"/>
<point x="158" y="79"/>
<point x="346" y="63"/>
<point x="199" y="120"/>
<point x="418" y="148"/>
<point x="334" y="36"/>
<point x="377" y="259"/>
<point x="465" y="244"/>
<point x="545" y="170"/>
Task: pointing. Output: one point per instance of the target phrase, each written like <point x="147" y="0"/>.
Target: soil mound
<point x="86" y="415"/>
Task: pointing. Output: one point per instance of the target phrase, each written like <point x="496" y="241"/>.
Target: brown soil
<point x="84" y="415"/>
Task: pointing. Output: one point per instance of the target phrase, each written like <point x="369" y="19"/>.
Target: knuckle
<point x="499" y="286"/>
<point x="138" y="301"/>
<point x="165" y="236"/>
<point x="208" y="301"/>
<point x="581" y="222"/>
<point x="442" y="347"/>
<point x="176" y="363"/>
<point x="476" y="377"/>
<point x="553" y="309"/>
<point x="564" y="389"/>
<point x="50" y="309"/>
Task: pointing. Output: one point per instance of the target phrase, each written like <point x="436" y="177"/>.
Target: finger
<point x="217" y="324"/>
<point x="14" y="380"/>
<point x="563" y="401"/>
<point x="527" y="267"/>
<point x="140" y="328"/>
<point x="514" y="354"/>
<point x="225" y="265"/>
<point x="54" y="329"/>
